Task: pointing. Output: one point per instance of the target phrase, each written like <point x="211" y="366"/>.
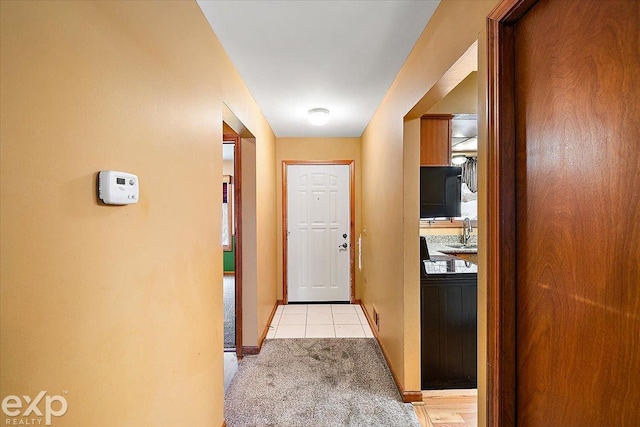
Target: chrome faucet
<point x="466" y="230"/>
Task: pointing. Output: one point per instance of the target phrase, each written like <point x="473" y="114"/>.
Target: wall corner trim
<point x="411" y="396"/>
<point x="253" y="350"/>
<point x="250" y="350"/>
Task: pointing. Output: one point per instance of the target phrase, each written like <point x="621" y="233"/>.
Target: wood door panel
<point x="577" y="74"/>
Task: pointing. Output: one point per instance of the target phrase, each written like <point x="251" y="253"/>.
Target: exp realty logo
<point x="26" y="411"/>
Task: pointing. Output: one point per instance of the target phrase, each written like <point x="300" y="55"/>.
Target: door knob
<point x="344" y="235"/>
<point x="344" y="246"/>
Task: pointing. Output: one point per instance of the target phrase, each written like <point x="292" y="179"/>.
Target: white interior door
<point x="318" y="239"/>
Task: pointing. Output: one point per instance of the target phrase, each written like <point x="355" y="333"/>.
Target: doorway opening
<point x="243" y="243"/>
<point x="239" y="150"/>
<point x="239" y="242"/>
<point x="229" y="238"/>
<point x="450" y="114"/>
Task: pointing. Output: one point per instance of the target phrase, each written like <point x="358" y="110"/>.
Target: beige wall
<point x="227" y="167"/>
<point x="390" y="283"/>
<point x="463" y="99"/>
<point x="318" y="149"/>
<point x="250" y="329"/>
<point x="120" y="308"/>
<point x="266" y="222"/>
<point x="410" y="257"/>
<point x="483" y="244"/>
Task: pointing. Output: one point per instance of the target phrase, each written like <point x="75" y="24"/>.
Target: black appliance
<point x="440" y="191"/>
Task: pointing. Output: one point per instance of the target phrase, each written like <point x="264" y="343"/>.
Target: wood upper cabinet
<point x="435" y="140"/>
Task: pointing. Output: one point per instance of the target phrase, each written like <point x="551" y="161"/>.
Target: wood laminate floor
<point x="448" y="408"/>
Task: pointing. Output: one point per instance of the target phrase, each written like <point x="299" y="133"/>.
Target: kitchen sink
<point x="462" y="246"/>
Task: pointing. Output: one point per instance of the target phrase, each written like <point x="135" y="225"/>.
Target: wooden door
<point x="318" y="233"/>
<point x="564" y="339"/>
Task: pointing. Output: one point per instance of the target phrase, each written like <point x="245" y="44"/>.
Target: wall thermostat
<point x="117" y="188"/>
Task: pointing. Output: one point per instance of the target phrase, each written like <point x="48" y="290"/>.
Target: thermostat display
<point x="117" y="188"/>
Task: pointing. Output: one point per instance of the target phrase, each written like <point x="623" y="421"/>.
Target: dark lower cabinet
<point x="448" y="304"/>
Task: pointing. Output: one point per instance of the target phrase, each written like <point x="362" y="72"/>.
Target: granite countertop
<point x="443" y="248"/>
<point x="442" y="245"/>
<point x="441" y="262"/>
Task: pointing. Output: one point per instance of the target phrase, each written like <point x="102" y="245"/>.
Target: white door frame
<point x="350" y="163"/>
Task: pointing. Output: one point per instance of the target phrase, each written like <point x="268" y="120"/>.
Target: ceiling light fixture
<point x="318" y="116"/>
<point x="459" y="160"/>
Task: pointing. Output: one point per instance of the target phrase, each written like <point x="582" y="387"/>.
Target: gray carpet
<point x="229" y="295"/>
<point x="316" y="382"/>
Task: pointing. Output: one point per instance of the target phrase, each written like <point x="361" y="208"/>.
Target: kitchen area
<point x="448" y="242"/>
<point x="448" y="311"/>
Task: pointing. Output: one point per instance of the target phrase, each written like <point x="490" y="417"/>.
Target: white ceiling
<point x="296" y="55"/>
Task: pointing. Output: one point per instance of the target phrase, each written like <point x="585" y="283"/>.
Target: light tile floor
<point x="230" y="367"/>
<point x="319" y="321"/>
